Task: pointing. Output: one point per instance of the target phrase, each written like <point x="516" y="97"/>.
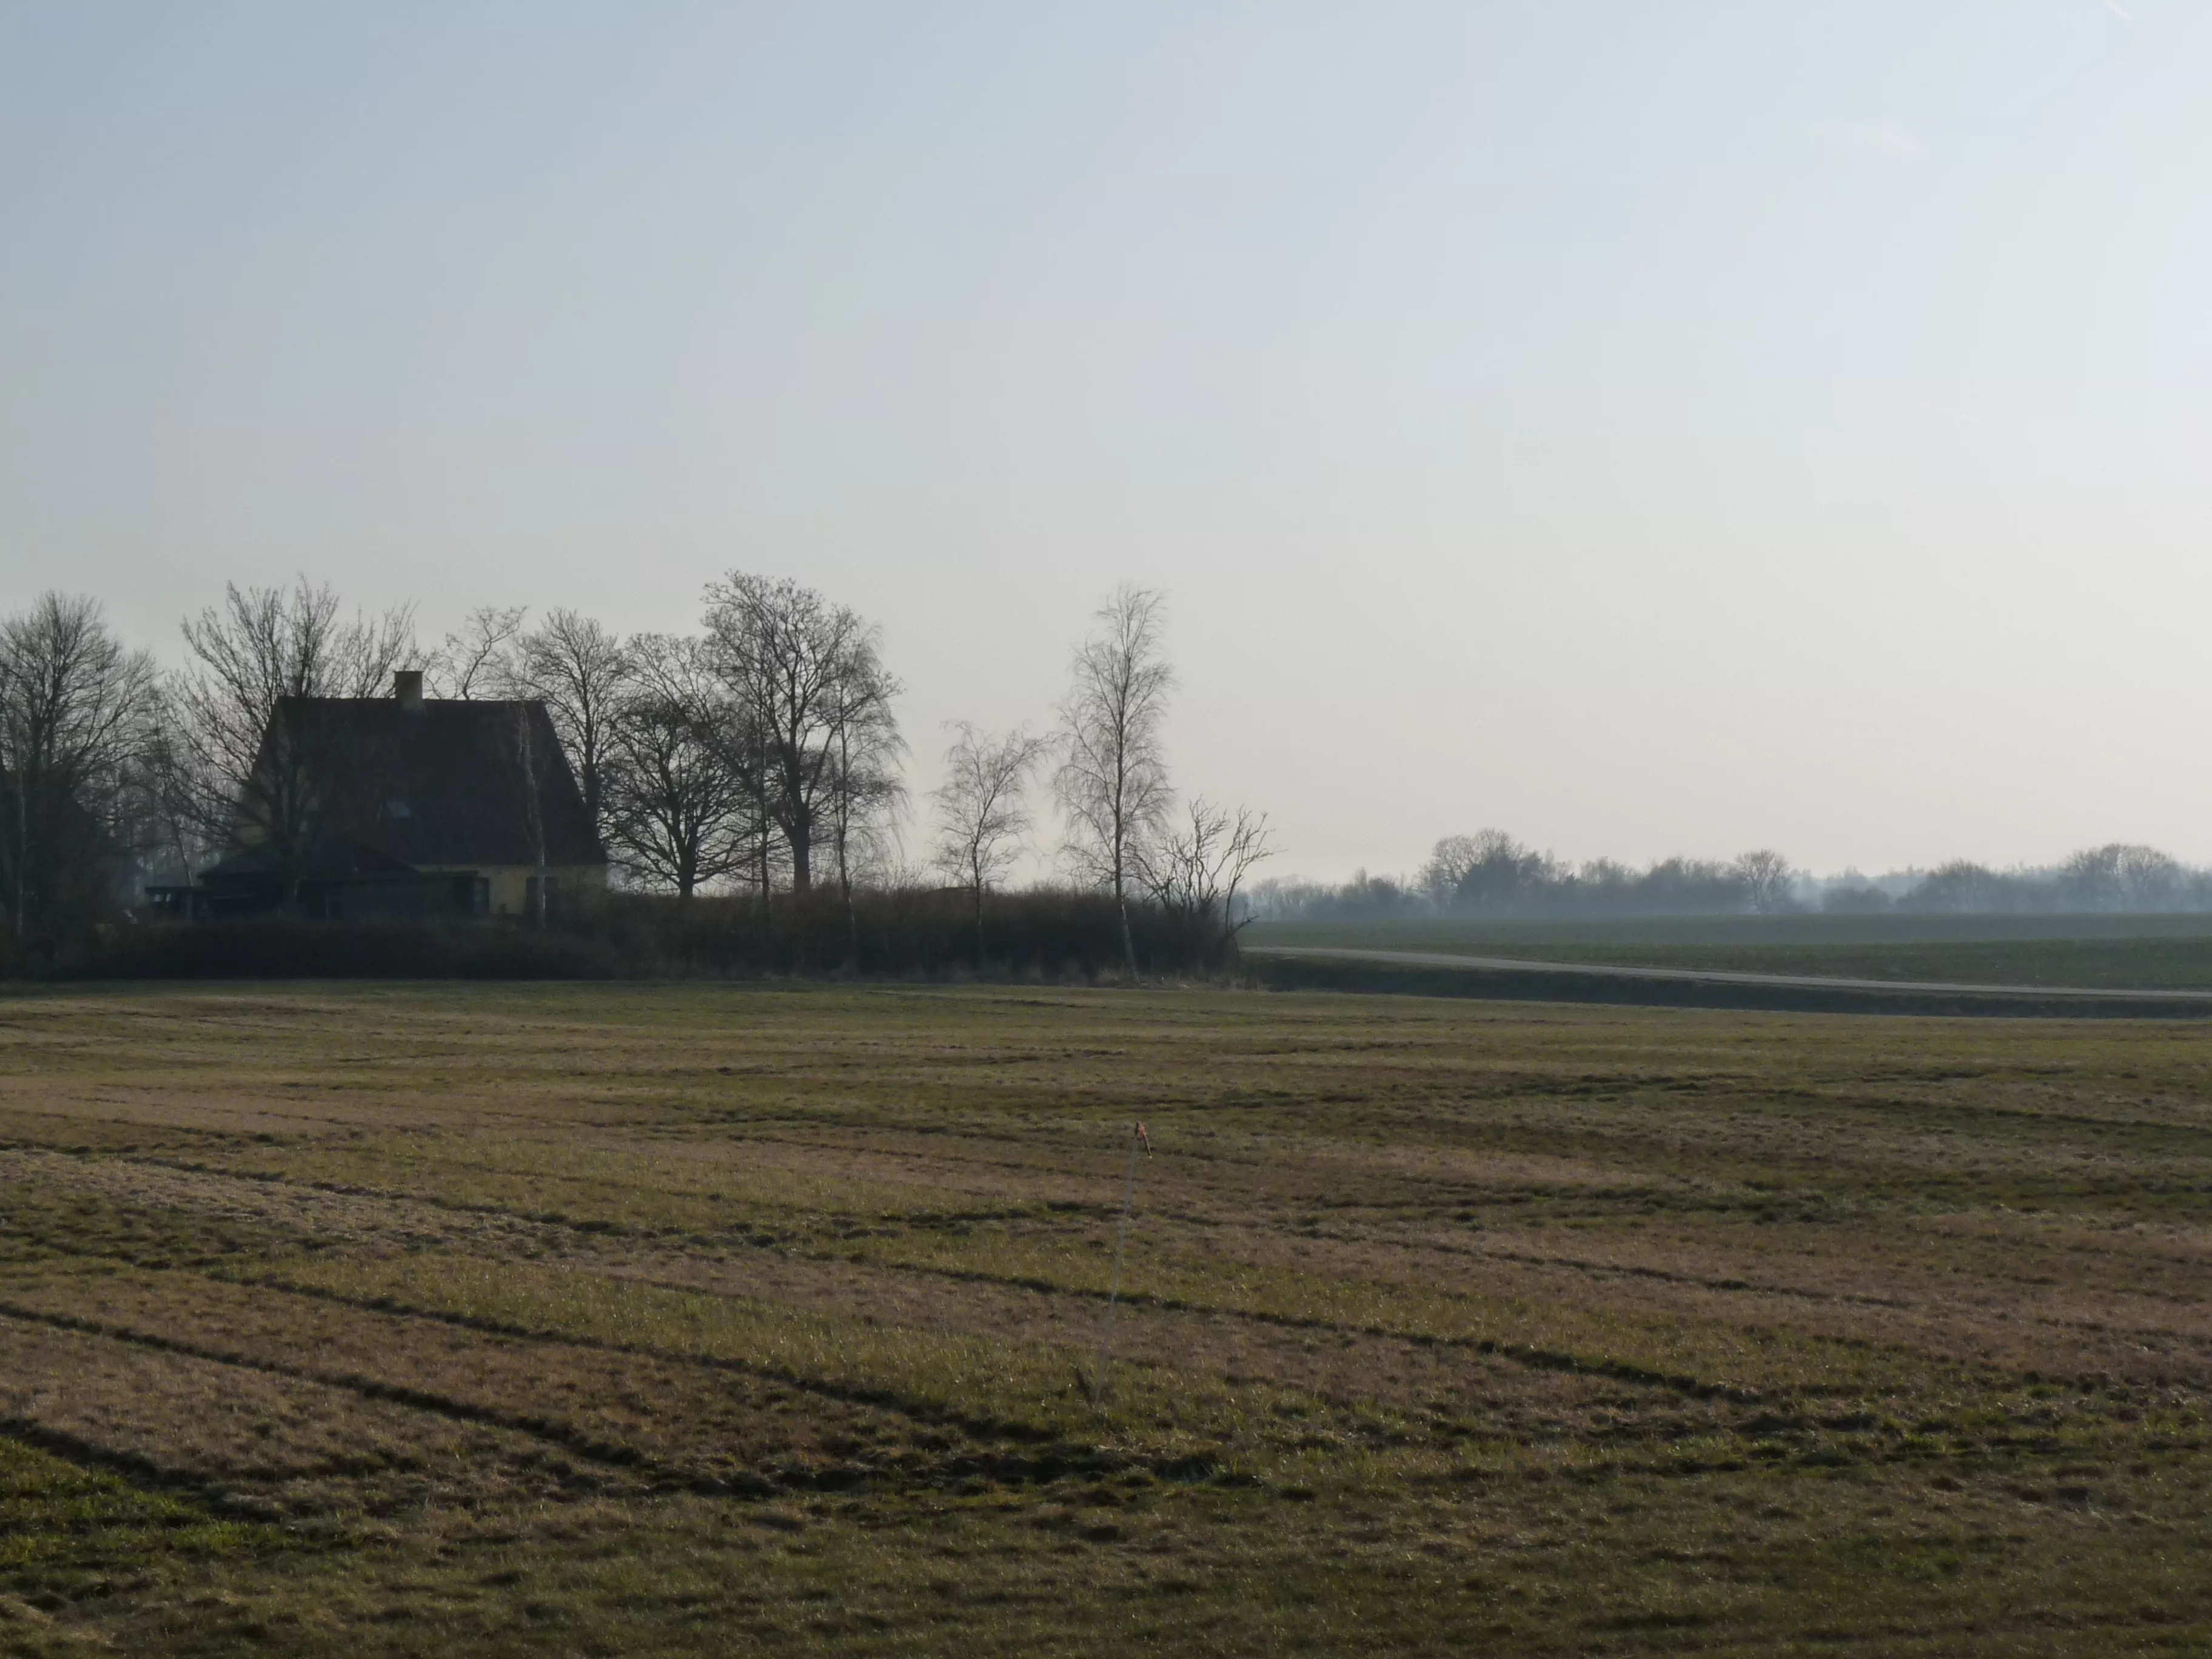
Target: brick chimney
<point x="407" y="689"/>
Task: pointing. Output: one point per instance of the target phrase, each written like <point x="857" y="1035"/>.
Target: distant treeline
<point x="1490" y="874"/>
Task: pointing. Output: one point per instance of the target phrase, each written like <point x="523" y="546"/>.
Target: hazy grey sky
<point x="1645" y="427"/>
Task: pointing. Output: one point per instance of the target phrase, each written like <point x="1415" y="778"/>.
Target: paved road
<point x="1718" y="975"/>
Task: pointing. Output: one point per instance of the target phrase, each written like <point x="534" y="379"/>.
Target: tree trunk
<point x="802" y="851"/>
<point x="760" y="798"/>
<point x="852" y="915"/>
<point x="844" y="811"/>
<point x="22" y="847"/>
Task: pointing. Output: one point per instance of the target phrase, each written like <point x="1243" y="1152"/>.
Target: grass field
<point x="2144" y="952"/>
<point x="709" y="1320"/>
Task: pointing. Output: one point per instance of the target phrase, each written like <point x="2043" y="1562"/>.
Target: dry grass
<point x="667" y="1320"/>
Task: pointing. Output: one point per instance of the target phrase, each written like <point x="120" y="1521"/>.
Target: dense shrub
<point x="1053" y="934"/>
<point x="284" y="948"/>
<point x="1056" y="932"/>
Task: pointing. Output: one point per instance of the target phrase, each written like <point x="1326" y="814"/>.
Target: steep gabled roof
<point x="441" y="782"/>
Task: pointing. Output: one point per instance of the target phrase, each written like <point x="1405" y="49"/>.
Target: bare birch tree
<point x="1112" y="781"/>
<point x="533" y="767"/>
<point x="983" y="807"/>
<point x="866" y="790"/>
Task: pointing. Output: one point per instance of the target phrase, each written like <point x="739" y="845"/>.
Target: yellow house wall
<point x="509" y="884"/>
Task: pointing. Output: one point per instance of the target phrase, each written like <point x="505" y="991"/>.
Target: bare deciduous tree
<point x="676" y="790"/>
<point x="810" y="678"/>
<point x="480" y="659"/>
<point x="1449" y="863"/>
<point x="983" y="807"/>
<point x="1767" y="879"/>
<point x="77" y="718"/>
<point x="575" y="667"/>
<point x="1196" y="868"/>
<point x="243" y="774"/>
<point x="1487" y="871"/>
<point x="2119" y="876"/>
<point x="1112" y="781"/>
<point x="2150" y="879"/>
<point x="865" y="790"/>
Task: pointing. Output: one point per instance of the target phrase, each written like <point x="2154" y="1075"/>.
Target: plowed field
<point x="705" y="1320"/>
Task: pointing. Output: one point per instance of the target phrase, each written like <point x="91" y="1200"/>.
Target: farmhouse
<point x="405" y="806"/>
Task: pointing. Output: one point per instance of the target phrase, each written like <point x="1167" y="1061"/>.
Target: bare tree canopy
<point x="983" y="807"/>
<point x="575" y="667"/>
<point x="1487" y="870"/>
<point x="1767" y="880"/>
<point x="2120" y="877"/>
<point x="262" y="646"/>
<point x="677" y="793"/>
<point x="78" y="716"/>
<point x="865" y="790"/>
<point x="480" y="659"/>
<point x="1112" y="781"/>
<point x="810" y="677"/>
<point x="1196" y="868"/>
